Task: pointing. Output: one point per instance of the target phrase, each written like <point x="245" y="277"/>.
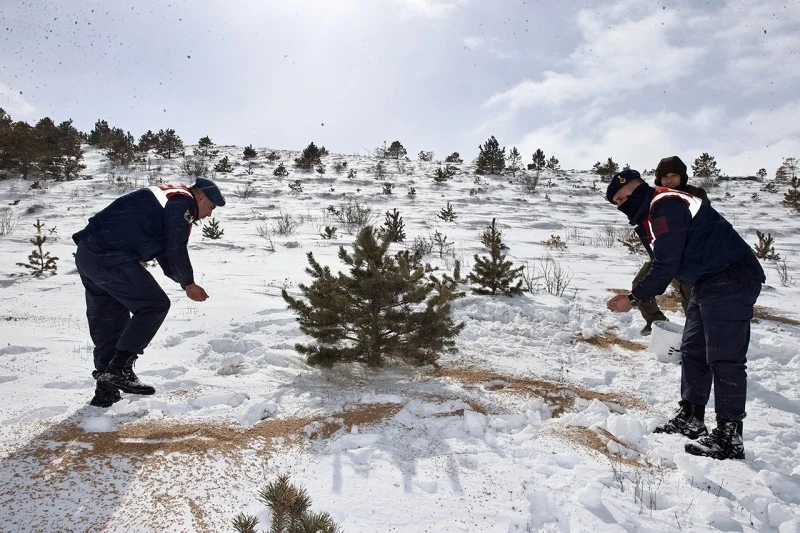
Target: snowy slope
<point x="541" y="422"/>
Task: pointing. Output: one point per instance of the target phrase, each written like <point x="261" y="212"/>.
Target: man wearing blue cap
<point x="693" y="243"/>
<point x="125" y="306"/>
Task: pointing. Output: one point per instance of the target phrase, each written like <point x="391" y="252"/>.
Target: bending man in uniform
<point x="693" y="243"/>
<point x="125" y="306"/>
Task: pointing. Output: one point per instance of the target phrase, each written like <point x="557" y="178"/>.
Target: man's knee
<point x="161" y="305"/>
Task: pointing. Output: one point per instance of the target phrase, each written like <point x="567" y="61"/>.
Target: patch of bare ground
<point x="606" y="340"/>
<point x="561" y="395"/>
<point x="599" y="441"/>
<point x="765" y="313"/>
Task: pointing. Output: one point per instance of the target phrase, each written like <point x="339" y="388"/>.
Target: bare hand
<point x="619" y="304"/>
<point x="196" y="292"/>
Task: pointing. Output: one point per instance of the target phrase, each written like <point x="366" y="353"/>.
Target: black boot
<point x="105" y="396"/>
<point x="688" y="421"/>
<point x="725" y="442"/>
<point x="119" y="374"/>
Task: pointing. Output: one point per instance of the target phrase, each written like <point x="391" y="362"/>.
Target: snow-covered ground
<point x="542" y="421"/>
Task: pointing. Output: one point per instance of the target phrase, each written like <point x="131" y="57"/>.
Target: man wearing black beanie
<point x="693" y="243"/>
<point x="670" y="173"/>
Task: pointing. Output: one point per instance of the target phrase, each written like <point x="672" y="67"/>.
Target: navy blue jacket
<point x="135" y="227"/>
<point x="689" y="249"/>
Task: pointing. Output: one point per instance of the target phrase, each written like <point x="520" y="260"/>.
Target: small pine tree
<point x="539" y="161"/>
<point x="388" y="188"/>
<point x="491" y="159"/>
<point x="379" y="171"/>
<point x="553" y="164"/>
<point x="764" y="248"/>
<point x="280" y="171"/>
<point x="121" y="147"/>
<point x="383" y="307"/>
<point x="39" y="261"/>
<point x="249" y="152"/>
<point x="223" y="166"/>
<point x="447" y="213"/>
<point x="273" y="156"/>
<point x="296" y="187"/>
<point x="212" y="229"/>
<point x="761" y="174"/>
<point x="605" y="170"/>
<point x="792" y="196"/>
<point x="514" y="159"/>
<point x="425" y="155"/>
<point x="393" y="227"/>
<point x="147" y="141"/>
<point x="705" y="167"/>
<point x="787" y="171"/>
<point x="204" y="146"/>
<point x="290" y="506"/>
<point x="396" y="151"/>
<point x="444" y="173"/>
<point x="328" y="233"/>
<point x="310" y="157"/>
<point x="493" y="274"/>
<point x="454" y="158"/>
<point x="168" y="143"/>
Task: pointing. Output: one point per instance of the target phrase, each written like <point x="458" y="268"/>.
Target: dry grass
<point x="606" y="340"/>
<point x="562" y="396"/>
<point x="765" y="313"/>
<point x="597" y="440"/>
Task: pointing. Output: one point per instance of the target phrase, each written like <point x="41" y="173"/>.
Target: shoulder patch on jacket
<point x="659" y="226"/>
<point x="187" y="216"/>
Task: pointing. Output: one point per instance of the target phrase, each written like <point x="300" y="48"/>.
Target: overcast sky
<point x="635" y="80"/>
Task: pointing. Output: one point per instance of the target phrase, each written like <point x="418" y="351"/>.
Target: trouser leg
<point x="129" y="287"/>
<point x="696" y="375"/>
<point x="648" y="308"/>
<point x="686" y="294"/>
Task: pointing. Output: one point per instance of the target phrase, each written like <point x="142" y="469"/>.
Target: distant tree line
<point x="45" y="150"/>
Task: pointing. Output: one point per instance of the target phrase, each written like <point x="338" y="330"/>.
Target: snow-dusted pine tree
<point x="384" y="307"/>
<point x="493" y="274"/>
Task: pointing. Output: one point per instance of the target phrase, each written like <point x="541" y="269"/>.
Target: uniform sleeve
<point x="165" y="266"/>
<point x="670" y="219"/>
<point x="177" y="227"/>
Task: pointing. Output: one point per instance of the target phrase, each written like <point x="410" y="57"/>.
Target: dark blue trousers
<point x="125" y="305"/>
<point x="716" y="337"/>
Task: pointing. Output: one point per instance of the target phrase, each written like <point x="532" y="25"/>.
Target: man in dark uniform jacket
<point x="671" y="173"/>
<point x="693" y="243"/>
<point x="125" y="306"/>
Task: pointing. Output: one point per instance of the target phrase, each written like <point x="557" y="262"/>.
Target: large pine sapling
<point x="39" y="261"/>
<point x="493" y="274"/>
<point x="383" y="307"/>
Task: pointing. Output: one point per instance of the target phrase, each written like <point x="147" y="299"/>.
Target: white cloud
<point x="431" y="9"/>
<point x="633" y="138"/>
<point x="14" y="104"/>
<point x="614" y="60"/>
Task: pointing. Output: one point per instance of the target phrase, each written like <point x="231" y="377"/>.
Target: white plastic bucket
<point x="665" y="341"/>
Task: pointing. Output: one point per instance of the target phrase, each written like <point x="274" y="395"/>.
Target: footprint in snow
<point x="174" y="340"/>
<point x="15" y="350"/>
<point x="166" y="373"/>
<point x="70" y="385"/>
